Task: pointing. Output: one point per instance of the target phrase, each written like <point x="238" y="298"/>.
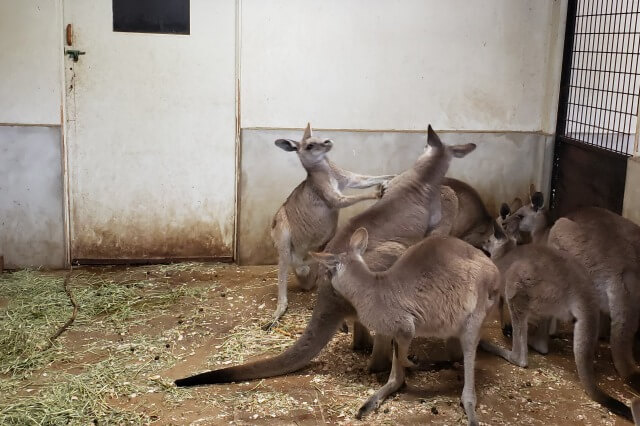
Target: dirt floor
<point x="139" y="328"/>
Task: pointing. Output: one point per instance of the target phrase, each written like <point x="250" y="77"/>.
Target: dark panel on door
<point x="151" y="16"/>
<point x="587" y="176"/>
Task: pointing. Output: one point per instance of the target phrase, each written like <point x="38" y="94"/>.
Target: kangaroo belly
<point x="313" y="232"/>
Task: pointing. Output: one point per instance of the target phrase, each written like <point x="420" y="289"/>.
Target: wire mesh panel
<point x="601" y="85"/>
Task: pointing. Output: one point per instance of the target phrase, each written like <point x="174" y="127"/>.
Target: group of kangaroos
<point x="428" y="260"/>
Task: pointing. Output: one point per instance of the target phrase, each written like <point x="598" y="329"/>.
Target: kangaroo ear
<point x="307" y="132"/>
<point x="287" y="144"/>
<point x="433" y="139"/>
<point x="359" y="241"/>
<point x="504" y="211"/>
<point x="329" y="260"/>
<point x="532" y="190"/>
<point x="460" y="151"/>
<point x="515" y="204"/>
<point x="498" y="232"/>
<point x="537" y="201"/>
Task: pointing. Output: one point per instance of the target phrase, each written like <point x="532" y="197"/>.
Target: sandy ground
<point x="220" y="325"/>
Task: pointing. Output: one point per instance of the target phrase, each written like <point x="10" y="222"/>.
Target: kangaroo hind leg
<point x="395" y="382"/>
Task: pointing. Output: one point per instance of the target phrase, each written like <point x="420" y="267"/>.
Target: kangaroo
<point x="403" y="215"/>
<point x="541" y="282"/>
<point x="464" y="216"/>
<point x="309" y="217"/>
<point x="470" y="220"/>
<point x="608" y="246"/>
<point x="440" y="287"/>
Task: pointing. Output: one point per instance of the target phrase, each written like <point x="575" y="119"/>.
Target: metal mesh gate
<point x="600" y="96"/>
<point x="598" y="103"/>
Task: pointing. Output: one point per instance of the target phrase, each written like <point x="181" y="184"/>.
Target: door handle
<point x="74" y="54"/>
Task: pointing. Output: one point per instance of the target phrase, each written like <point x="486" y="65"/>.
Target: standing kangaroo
<point x="540" y="282"/>
<point x="440" y="287"/>
<point x="464" y="216"/>
<point x="402" y="216"/>
<point x="608" y="247"/>
<point x="308" y="218"/>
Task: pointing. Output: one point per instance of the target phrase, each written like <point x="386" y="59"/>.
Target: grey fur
<point x="608" y="246"/>
<point x="440" y="287"/>
<point x="464" y="216"/>
<point x="540" y="282"/>
<point x="308" y="218"/>
<point x="402" y="216"/>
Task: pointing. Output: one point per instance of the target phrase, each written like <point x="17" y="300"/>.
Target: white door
<point x="150" y="136"/>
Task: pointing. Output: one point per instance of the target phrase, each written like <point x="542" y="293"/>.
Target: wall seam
<point x="328" y="129"/>
<point x="238" y="126"/>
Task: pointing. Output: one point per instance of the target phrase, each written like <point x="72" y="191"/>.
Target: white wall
<point x="30" y="62"/>
<point x="378" y="64"/>
<point x="502" y="167"/>
<point x="151" y="136"/>
<point x="31" y="183"/>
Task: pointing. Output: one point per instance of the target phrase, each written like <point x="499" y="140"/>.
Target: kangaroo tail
<point x="327" y="316"/>
<point x="585" y="337"/>
<point x="615" y="406"/>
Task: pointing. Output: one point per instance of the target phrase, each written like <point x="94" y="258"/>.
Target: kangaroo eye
<point x="310" y="146"/>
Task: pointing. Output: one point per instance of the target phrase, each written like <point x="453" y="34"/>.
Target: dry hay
<point x="32" y="393"/>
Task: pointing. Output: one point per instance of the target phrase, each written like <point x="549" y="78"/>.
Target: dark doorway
<point x="598" y="105"/>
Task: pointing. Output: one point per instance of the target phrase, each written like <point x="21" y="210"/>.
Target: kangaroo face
<point x="343" y="267"/>
<point x="498" y="243"/>
<point x="311" y="150"/>
<point x="529" y="217"/>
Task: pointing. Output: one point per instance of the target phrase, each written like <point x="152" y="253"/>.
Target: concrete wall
<point x="151" y="136"/>
<point x="373" y="74"/>
<point x="31" y="183"/>
<point x="375" y="69"/>
<point x="631" y="208"/>
<point x="503" y="166"/>
<point x="31" y="215"/>
<point x="377" y="64"/>
<point x="30" y="69"/>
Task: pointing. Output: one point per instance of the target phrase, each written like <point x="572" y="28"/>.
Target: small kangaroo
<point x="440" y="287"/>
<point x="541" y="282"/>
<point x="401" y="217"/>
<point x="608" y="247"/>
<point x="308" y="218"/>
